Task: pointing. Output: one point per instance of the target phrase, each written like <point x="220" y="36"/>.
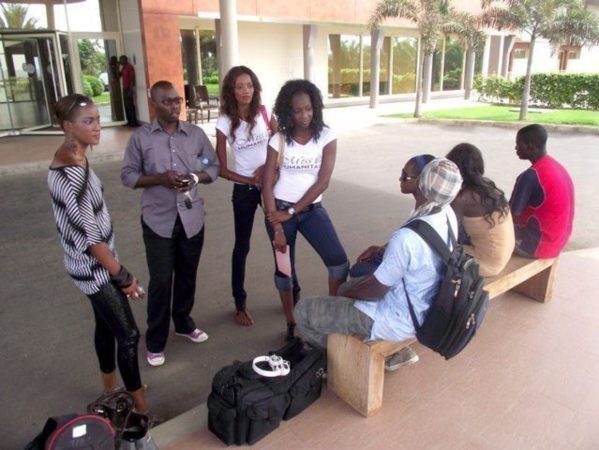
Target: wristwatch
<point x="291" y="211"/>
<point x="195" y="178"/>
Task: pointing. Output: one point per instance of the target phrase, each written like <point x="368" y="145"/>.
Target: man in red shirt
<point x="542" y="202"/>
<point x="128" y="81"/>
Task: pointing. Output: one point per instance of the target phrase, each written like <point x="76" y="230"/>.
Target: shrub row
<point x="547" y="89"/>
<point x="210" y="79"/>
<point x="92" y="86"/>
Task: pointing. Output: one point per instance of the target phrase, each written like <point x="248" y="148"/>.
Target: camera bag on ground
<point x="461" y="303"/>
<point x="131" y="427"/>
<point x="75" y="432"/>
<point x="247" y="402"/>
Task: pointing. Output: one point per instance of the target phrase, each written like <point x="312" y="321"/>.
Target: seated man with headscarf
<point x="375" y="306"/>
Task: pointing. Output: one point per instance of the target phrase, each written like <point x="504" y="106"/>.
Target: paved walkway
<point x="46" y="324"/>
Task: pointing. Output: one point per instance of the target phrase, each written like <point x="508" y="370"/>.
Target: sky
<point x="83" y="16"/>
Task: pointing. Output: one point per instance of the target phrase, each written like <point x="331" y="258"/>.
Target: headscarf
<point x="440" y="181"/>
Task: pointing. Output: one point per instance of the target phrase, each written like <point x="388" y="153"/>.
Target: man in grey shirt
<point x="168" y="159"/>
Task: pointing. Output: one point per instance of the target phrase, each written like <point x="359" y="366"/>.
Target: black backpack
<point x="461" y="303"/>
<point x="243" y="406"/>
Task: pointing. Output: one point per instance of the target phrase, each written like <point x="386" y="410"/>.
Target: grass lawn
<point x="500" y="113"/>
<point x="213" y="89"/>
<point x="103" y="98"/>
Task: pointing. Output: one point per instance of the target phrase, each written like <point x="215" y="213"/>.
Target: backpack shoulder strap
<point x="432" y="238"/>
<point x="265" y="117"/>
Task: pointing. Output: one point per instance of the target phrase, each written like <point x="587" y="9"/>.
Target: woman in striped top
<point x="87" y="237"/>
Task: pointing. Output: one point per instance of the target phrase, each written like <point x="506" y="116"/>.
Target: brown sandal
<point x="243" y="318"/>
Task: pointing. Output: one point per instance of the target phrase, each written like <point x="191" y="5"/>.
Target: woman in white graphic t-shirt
<point x="293" y="202"/>
<point x="245" y="125"/>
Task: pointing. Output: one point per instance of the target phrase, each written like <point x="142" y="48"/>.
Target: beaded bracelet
<point x="123" y="279"/>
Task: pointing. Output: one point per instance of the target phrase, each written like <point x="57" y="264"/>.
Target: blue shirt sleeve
<point x="523" y="191"/>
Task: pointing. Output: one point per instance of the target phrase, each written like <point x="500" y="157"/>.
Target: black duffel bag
<point x="247" y="402"/>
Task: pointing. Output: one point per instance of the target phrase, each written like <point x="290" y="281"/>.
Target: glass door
<point x="96" y="63"/>
<point x="28" y="81"/>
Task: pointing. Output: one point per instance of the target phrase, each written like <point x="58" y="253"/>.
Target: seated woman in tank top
<point x="486" y="230"/>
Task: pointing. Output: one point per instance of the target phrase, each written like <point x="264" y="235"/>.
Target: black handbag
<point x="117" y="407"/>
<point x="245" y="405"/>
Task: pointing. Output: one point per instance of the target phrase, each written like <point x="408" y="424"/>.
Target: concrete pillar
<point x="508" y="44"/>
<point x="335" y="43"/>
<point x="219" y="56"/>
<point x="469" y="72"/>
<point x="495" y="55"/>
<point x="376" y="42"/>
<point x="389" y="46"/>
<point x="188" y="45"/>
<point x="229" y="41"/>
<point x="427" y="77"/>
<point x="361" y="71"/>
<point x="486" y="56"/>
<point x="50" y="15"/>
<point x="310" y="36"/>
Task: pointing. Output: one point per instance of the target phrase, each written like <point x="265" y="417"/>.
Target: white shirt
<point x="407" y="257"/>
<point x="300" y="166"/>
<point x="249" y="151"/>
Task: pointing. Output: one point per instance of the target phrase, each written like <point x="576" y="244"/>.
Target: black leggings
<point x="114" y="320"/>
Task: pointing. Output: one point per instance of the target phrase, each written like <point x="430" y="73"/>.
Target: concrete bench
<point x="356" y="369"/>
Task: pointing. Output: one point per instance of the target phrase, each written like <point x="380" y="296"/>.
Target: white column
<point x="50" y="15"/>
<point x="508" y="45"/>
<point x="376" y="41"/>
<point x="361" y="71"/>
<point x="229" y="41"/>
<point x="427" y="77"/>
<point x="310" y="36"/>
<point x="486" y="57"/>
<point x="468" y="73"/>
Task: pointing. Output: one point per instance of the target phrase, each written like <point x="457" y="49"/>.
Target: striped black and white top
<point x="82" y="220"/>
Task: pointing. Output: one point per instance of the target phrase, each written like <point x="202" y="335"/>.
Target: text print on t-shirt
<point x="244" y="143"/>
<point x="302" y="162"/>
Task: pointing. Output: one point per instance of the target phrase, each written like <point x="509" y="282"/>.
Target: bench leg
<point x="540" y="286"/>
<point x="355" y="373"/>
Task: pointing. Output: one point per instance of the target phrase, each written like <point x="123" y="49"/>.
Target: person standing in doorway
<point x="168" y="159"/>
<point x="128" y="82"/>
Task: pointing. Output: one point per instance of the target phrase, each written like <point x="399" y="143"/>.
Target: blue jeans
<point x="316" y="226"/>
<point x="317" y="317"/>
<point x="171" y="258"/>
<point x="245" y="202"/>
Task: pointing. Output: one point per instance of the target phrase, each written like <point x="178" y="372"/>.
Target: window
<point x="347" y="54"/>
<point x="405" y="59"/>
<point x="349" y="65"/>
<point x="452" y="69"/>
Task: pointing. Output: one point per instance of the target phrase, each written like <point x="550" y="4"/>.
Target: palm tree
<point x="466" y="28"/>
<point x="15" y="17"/>
<point x="558" y="21"/>
<point x="428" y="15"/>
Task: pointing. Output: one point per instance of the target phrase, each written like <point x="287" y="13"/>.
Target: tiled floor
<point x="530" y="379"/>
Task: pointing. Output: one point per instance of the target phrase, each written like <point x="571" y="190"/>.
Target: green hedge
<point x="547" y="89"/>
<point x="210" y="79"/>
<point x="96" y="85"/>
<point x="87" y="88"/>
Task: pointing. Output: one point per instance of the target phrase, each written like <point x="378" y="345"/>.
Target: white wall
<point x="274" y="52"/>
<point x="546" y="62"/>
<point x="588" y="62"/>
<point x="543" y="61"/>
<point x="133" y="48"/>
